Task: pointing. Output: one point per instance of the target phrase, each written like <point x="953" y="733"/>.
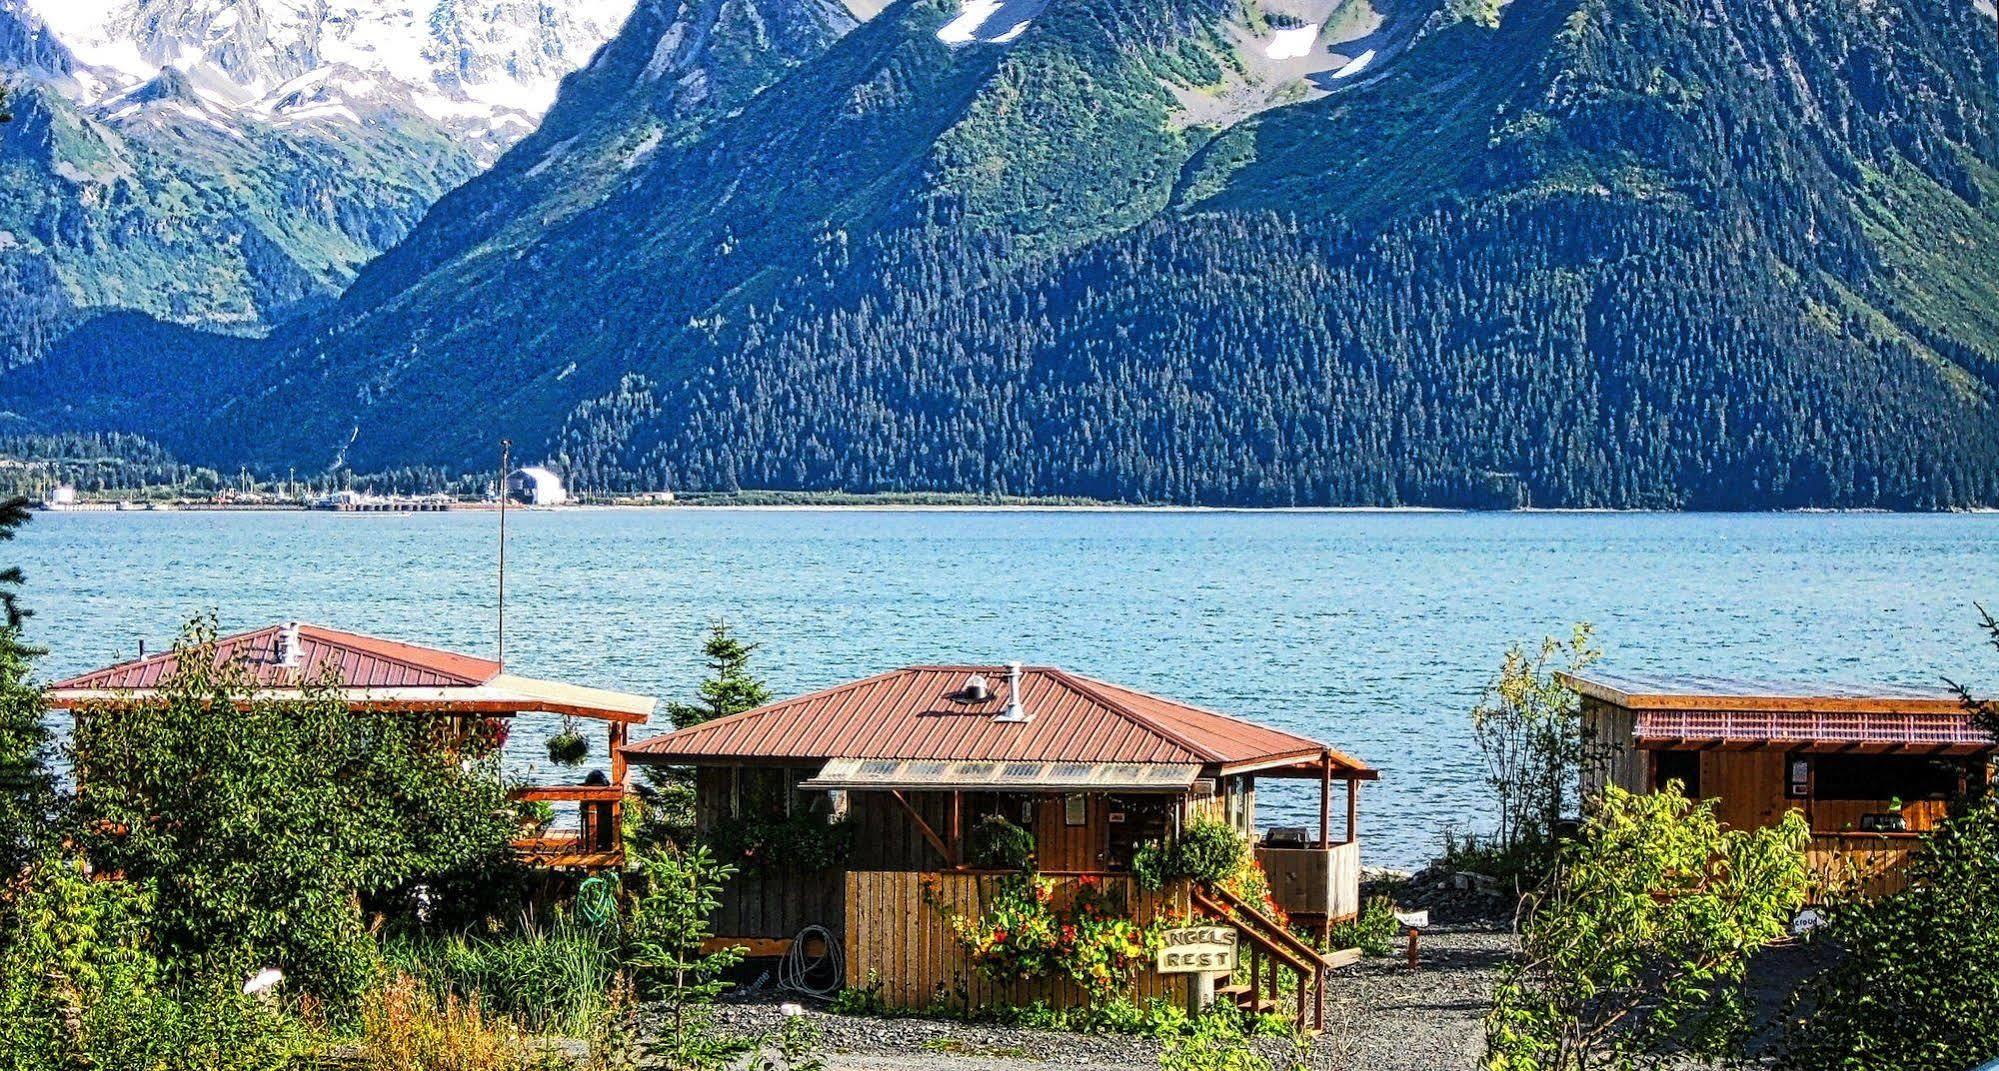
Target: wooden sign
<point x="1198" y="950"/>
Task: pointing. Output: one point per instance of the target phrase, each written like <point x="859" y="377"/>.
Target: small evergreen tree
<point x="729" y="689"/>
<point x="28" y="796"/>
<point x="679" y="890"/>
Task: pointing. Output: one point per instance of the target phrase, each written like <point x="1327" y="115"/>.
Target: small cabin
<point x="1872" y="768"/>
<point x="912" y="760"/>
<point x="371" y="673"/>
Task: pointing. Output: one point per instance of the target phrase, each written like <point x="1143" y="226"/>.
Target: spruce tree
<point x="28" y="795"/>
<point x="729" y="689"/>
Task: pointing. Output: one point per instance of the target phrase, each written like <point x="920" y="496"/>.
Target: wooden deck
<point x="1316" y="884"/>
<point x="1870" y="864"/>
<point x="893" y="934"/>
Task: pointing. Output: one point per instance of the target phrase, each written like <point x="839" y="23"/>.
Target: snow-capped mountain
<point x="482" y="70"/>
<point x="229" y="164"/>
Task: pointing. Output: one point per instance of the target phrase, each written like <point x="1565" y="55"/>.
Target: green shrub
<point x="998" y="844"/>
<point x="1637" y="947"/>
<point x="265" y="827"/>
<point x="80" y="988"/>
<point x="1216" y="1041"/>
<point x="554" y="977"/>
<point x="1373" y="932"/>
<point x="1208" y="851"/>
<point x="1916" y="984"/>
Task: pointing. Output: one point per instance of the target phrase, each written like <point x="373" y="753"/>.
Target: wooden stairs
<point x="1272" y="948"/>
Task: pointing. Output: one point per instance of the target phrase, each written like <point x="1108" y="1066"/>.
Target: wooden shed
<point x="912" y="760"/>
<point x="371" y="673"/>
<point x="1872" y="768"/>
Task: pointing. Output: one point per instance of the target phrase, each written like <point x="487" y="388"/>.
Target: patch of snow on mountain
<point x="981" y="20"/>
<point x="1293" y="43"/>
<point x="965" y="28"/>
<point x="1356" y="65"/>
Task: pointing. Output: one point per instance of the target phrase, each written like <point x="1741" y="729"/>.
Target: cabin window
<point x="1075" y="809"/>
<point x="760" y="792"/>
<point x="1681" y="766"/>
<point x="1884" y="777"/>
<point x="1238" y="808"/>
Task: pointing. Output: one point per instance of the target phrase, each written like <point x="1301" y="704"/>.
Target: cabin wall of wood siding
<point x="1611" y="755"/>
<point x="885" y="838"/>
<point x="898" y="939"/>
<point x="1749" y="786"/>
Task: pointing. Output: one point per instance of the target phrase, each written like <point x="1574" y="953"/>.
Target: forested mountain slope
<point x="1671" y="253"/>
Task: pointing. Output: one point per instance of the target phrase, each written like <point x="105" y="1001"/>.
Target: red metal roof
<point x="917" y="713"/>
<point x="356" y="661"/>
<point x="1813" y="731"/>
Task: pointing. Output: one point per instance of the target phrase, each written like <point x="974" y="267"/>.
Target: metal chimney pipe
<point x="1014" y="711"/>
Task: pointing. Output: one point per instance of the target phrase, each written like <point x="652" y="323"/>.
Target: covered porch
<point x="368" y="673"/>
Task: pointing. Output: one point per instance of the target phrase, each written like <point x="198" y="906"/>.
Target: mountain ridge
<point x="1654" y="253"/>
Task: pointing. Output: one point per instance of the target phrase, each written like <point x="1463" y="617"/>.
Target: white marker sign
<point x="1198" y="950"/>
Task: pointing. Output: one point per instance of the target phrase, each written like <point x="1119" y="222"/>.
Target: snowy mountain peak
<point x="481" y="70"/>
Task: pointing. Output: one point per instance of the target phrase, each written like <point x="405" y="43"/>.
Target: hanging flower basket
<point x="568" y="748"/>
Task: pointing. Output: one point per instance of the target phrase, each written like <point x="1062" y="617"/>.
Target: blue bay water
<point x="1372" y="631"/>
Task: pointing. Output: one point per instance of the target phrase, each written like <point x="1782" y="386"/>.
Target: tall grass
<point x="552" y="977"/>
<point x="407" y="1027"/>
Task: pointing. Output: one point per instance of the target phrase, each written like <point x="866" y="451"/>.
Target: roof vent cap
<point x="1014" y="714"/>
<point x="977" y="689"/>
<point x="288" y="652"/>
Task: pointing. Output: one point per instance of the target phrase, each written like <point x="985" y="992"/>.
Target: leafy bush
<point x="556" y="977"/>
<point x="998" y="844"/>
<point x="1373" y="932"/>
<point x="1916" y="987"/>
<point x="1217" y="1041"/>
<point x="80" y="988"/>
<point x="1095" y="943"/>
<point x="1207" y="851"/>
<point x="261" y="826"/>
<point x="1638" y="945"/>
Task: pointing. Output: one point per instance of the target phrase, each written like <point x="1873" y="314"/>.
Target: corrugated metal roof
<point x="369" y="672"/>
<point x="1806" y="730"/>
<point x="356" y="661"/>
<point x="919" y="713"/>
<point x="1640" y="691"/>
<point x="933" y="774"/>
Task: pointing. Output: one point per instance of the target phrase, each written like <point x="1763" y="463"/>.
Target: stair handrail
<point x="1295" y="944"/>
<point x="1258" y="928"/>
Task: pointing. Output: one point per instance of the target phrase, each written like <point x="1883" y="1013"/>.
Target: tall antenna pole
<point x="506" y="466"/>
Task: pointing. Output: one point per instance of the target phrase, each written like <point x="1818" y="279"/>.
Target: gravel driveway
<point x="1380" y="1016"/>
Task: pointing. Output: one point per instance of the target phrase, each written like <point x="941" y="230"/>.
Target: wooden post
<point x="617" y="743"/>
<point x="1353" y="809"/>
<point x="1326" y="800"/>
<point x="1412" y="948"/>
<point x="958" y="825"/>
<point x="1304" y="983"/>
<point x="1255" y="973"/>
<point x="1319" y="999"/>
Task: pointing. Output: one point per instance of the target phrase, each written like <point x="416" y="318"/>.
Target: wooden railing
<point x="595" y="844"/>
<point x="1269" y="941"/>
<point x="1867" y="864"/>
<point x="1320" y="884"/>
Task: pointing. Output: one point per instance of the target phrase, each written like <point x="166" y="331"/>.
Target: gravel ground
<point x="1380" y="1016"/>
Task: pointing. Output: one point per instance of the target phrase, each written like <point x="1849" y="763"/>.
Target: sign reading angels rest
<point x="1198" y="950"/>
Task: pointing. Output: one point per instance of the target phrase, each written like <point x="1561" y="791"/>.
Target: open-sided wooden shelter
<point x="912" y="759"/>
<point x="1871" y="768"/>
<point x="369" y="673"/>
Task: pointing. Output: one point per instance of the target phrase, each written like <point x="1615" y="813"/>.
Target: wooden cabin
<point x="370" y="673"/>
<point x="1871" y="768"/>
<point x="911" y="760"/>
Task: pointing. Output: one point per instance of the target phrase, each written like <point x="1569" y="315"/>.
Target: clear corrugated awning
<point x="974" y="776"/>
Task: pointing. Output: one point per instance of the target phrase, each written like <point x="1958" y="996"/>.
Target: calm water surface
<point x="1374" y="632"/>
